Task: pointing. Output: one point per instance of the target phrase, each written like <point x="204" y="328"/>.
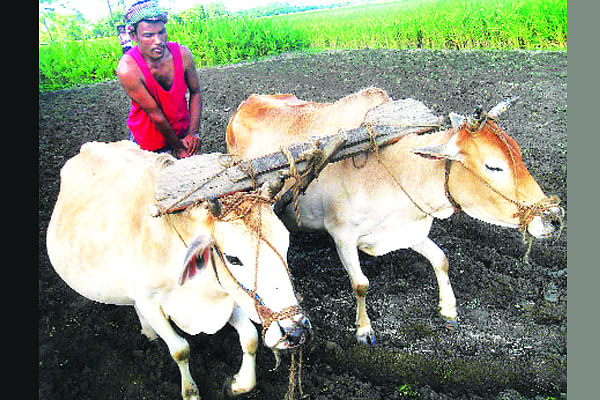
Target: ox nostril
<point x="554" y="219"/>
<point x="297" y="336"/>
<point x="299" y="333"/>
<point x="556" y="224"/>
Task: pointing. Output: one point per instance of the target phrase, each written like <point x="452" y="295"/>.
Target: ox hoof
<point x="150" y="334"/>
<point x="367" y="337"/>
<point x="231" y="388"/>
<point x="191" y="394"/>
<point x="228" y="388"/>
<point x="452" y="325"/>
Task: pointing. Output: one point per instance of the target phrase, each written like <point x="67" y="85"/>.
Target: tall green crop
<point x="433" y="24"/>
<point x="438" y="24"/>
<point x="66" y="64"/>
<point x="228" y="39"/>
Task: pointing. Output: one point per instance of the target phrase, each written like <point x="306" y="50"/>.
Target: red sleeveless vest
<point x="172" y="102"/>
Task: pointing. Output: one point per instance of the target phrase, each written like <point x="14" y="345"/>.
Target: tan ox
<point x="391" y="201"/>
<point x="196" y="269"/>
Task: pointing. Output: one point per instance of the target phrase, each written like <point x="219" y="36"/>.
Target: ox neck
<point x="425" y="183"/>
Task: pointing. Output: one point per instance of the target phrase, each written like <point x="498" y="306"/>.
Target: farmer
<point x="156" y="75"/>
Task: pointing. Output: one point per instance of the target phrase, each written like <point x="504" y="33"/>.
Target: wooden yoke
<point x="198" y="178"/>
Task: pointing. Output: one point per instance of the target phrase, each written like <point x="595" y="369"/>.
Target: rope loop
<point x="295" y="377"/>
<point x="527" y="213"/>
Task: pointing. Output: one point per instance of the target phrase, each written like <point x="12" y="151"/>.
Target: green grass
<point x="432" y="24"/>
<point x="224" y="40"/>
<point x="439" y="24"/>
<point x="76" y="63"/>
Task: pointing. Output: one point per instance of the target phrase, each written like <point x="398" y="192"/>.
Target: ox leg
<point x="428" y="249"/>
<point x="245" y="380"/>
<point x="146" y="328"/>
<point x="348" y="254"/>
<point x="178" y="346"/>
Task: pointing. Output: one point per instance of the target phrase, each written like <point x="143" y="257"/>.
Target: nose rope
<point x="525" y="212"/>
<point x="295" y="377"/>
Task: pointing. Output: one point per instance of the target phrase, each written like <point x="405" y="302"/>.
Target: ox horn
<point x="501" y="107"/>
<point x="214" y="206"/>
<point x="474" y="120"/>
<point x="272" y="188"/>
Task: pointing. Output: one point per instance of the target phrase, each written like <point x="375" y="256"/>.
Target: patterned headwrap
<point x="145" y="10"/>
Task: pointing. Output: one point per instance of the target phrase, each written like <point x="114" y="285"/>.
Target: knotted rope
<point x="292" y="172"/>
<point x="295" y="377"/>
<point x="314" y="163"/>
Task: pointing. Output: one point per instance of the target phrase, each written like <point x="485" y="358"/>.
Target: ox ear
<point x="196" y="258"/>
<point x="448" y="151"/>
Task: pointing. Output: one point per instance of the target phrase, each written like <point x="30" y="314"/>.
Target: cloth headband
<point x="145" y="10"/>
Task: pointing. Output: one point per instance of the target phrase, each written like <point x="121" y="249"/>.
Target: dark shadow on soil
<point x="513" y="321"/>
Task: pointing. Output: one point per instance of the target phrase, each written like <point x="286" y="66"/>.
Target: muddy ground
<point x="513" y="315"/>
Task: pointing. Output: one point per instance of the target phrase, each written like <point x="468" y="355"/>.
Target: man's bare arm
<point x="195" y="100"/>
<point x="193" y="83"/>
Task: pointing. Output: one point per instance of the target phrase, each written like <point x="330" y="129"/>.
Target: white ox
<point x="193" y="268"/>
<point x="391" y="201"/>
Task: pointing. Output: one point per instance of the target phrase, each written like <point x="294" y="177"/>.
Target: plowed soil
<point x="512" y="314"/>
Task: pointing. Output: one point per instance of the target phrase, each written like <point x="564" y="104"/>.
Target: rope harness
<point x="525" y="212"/>
<point x="234" y="209"/>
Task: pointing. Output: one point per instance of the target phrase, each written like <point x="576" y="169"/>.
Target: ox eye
<point x="233" y="260"/>
<point x="493" y="169"/>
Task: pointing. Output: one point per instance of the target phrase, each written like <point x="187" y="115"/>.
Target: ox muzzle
<point x="547" y="224"/>
<point x="286" y="329"/>
<point x="296" y="333"/>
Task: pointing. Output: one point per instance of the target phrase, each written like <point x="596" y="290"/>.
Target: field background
<point x="216" y="37"/>
<point x="512" y="342"/>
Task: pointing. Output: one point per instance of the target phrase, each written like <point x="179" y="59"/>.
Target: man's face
<point x="152" y="39"/>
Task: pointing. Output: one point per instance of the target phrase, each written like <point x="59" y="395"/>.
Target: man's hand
<point x="191" y="146"/>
